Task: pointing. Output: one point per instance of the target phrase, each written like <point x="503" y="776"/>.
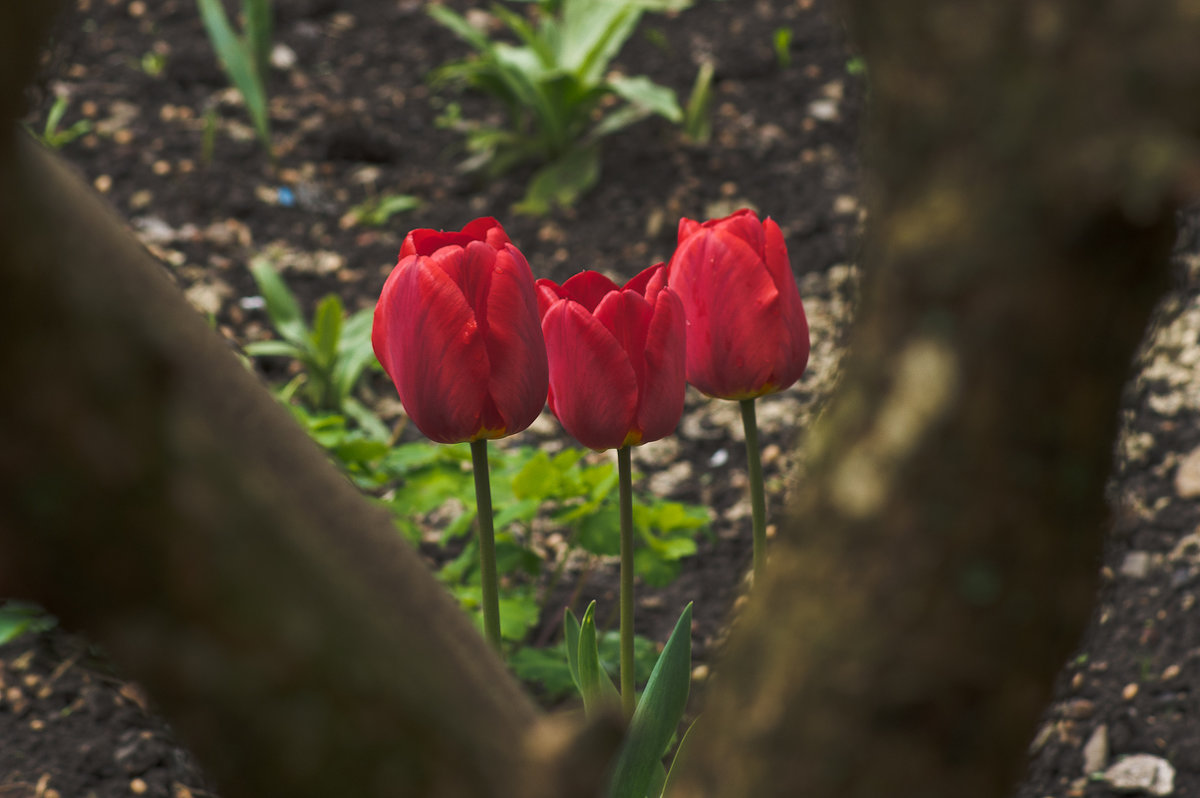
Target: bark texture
<point x="937" y="568"/>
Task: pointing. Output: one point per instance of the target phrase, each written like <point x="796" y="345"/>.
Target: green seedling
<point x="559" y="98"/>
<point x="55" y="137"/>
<point x="246" y="59"/>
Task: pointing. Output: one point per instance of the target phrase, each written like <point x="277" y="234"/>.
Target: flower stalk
<point x="758" y="504"/>
<point x="487" y="544"/>
<point x="625" y="481"/>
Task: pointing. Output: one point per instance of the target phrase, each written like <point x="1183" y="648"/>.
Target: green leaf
<point x="523" y="511"/>
<point x="275" y="348"/>
<point x="512" y="556"/>
<point x="54" y="118"/>
<point x="653" y="569"/>
<point x="697" y="117"/>
<point x="459" y="25"/>
<point x="594" y="685"/>
<point x="327" y="329"/>
<point x="544" y="668"/>
<point x="591" y="35"/>
<point x="538" y="479"/>
<point x="360" y="451"/>
<point x="571" y="644"/>
<point x="367" y="421"/>
<point x="657" y="715"/>
<point x="600" y="532"/>
<point x="282" y="308"/>
<point x="238" y="60"/>
<point x="259" y="30"/>
<point x="23" y="617"/>
<point x="525" y="32"/>
<point x="645" y="93"/>
<point x="561" y="181"/>
<point x="518" y="614"/>
<point x="679" y="750"/>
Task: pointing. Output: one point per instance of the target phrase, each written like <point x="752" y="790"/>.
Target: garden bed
<point x="356" y="120"/>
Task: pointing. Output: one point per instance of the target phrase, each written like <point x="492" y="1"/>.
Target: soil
<point x="354" y="118"/>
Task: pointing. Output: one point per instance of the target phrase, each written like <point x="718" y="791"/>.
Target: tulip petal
<point x="661" y="404"/>
<point x="592" y="382"/>
<point x="588" y="288"/>
<point x="425" y="241"/>
<point x="686" y="228"/>
<point x="745" y="225"/>
<point x="648" y="282"/>
<point x="470" y="268"/>
<point x="487" y="230"/>
<point x="626" y="315"/>
<point x="516" y="350"/>
<point x="431" y="347"/>
<point x="794" y="338"/>
<point x="548" y="292"/>
<point x="733" y="313"/>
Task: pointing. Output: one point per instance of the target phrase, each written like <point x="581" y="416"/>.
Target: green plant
<point x="334" y="351"/>
<point x="23" y="617"/>
<point x="153" y="63"/>
<point x="783" y="47"/>
<point x="375" y="211"/>
<point x="638" y="769"/>
<point x="52" y="135"/>
<point x="697" y="116"/>
<point x="246" y="58"/>
<point x="554" y="88"/>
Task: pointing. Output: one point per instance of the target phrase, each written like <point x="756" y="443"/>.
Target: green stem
<point x="758" y="503"/>
<point x="625" y="480"/>
<point x="487" y="544"/>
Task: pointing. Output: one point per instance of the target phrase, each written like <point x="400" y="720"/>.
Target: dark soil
<point x="354" y="118"/>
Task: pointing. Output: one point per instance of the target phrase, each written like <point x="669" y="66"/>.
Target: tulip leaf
<point x="561" y="181"/>
<point x="645" y="93"/>
<point x="672" y="773"/>
<point x="239" y="63"/>
<point x="571" y="643"/>
<point x="327" y="329"/>
<point x="281" y="304"/>
<point x="274" y="348"/>
<point x="657" y="715"/>
<point x="595" y="686"/>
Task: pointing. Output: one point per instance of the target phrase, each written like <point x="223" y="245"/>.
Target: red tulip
<point x="747" y="332"/>
<point x="457" y="330"/>
<point x="616" y="357"/>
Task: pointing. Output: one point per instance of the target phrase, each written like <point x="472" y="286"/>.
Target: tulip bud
<point x="457" y="330"/>
<point x="616" y="357"/>
<point x="747" y="334"/>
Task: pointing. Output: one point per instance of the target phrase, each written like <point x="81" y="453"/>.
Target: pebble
<point x="1142" y="773"/>
<point x="1095" y="751"/>
<point x="1136" y="565"/>
<point x="1078" y="709"/>
<point x="825" y="110"/>
<point x="1187" y="475"/>
<point x="282" y="56"/>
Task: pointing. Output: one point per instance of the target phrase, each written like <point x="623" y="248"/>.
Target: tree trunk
<point x="939" y="561"/>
